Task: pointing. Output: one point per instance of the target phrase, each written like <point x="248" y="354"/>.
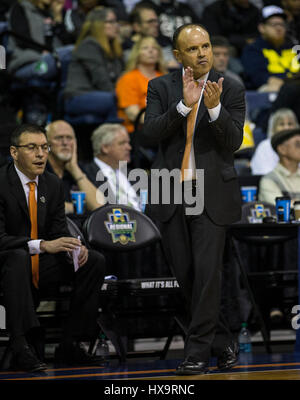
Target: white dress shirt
<point x="264" y="159"/>
<point x="123" y="192"/>
<point x="33" y="245"/>
<point x="213" y="114"/>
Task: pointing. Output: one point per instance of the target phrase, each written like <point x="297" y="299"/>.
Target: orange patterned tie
<point x="191" y="119"/>
<point x="32" y="205"/>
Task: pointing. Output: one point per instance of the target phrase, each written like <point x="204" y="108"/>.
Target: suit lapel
<point x="177" y="88"/>
<point x="17" y="190"/>
<point x="177" y="91"/>
<point x="41" y="201"/>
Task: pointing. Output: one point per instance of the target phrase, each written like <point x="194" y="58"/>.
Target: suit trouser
<point x="195" y="246"/>
<point x="21" y="298"/>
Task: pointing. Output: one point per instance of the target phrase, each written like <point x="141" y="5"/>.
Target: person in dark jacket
<point x="270" y="59"/>
<point x="38" y="39"/>
<point x="95" y="67"/>
<point x="34" y="241"/>
<point x="235" y="19"/>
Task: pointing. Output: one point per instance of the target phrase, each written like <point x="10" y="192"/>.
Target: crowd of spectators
<point x="90" y="61"/>
<point x="94" y="58"/>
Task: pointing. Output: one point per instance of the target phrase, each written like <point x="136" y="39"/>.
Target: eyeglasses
<point x="31" y="147"/>
<point x="274" y="24"/>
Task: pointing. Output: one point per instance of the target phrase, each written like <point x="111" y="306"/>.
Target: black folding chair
<point x="122" y="229"/>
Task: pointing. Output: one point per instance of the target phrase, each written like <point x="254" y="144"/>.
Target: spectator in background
<point x="62" y="161"/>
<point x="172" y="14"/>
<point x="270" y="59"/>
<point x="220" y="47"/>
<point x="145" y="63"/>
<point x="5" y="5"/>
<point x="258" y="3"/>
<point x="40" y="29"/>
<point x="199" y="6"/>
<point x="145" y="22"/>
<point x="284" y="179"/>
<point x="264" y="159"/>
<point x="74" y="17"/>
<point x="289" y="96"/>
<point x="292" y="10"/>
<point x="235" y="19"/>
<point x="111" y="144"/>
<point x="95" y="67"/>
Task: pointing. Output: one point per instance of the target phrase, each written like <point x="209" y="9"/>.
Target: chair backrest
<point x="119" y="228"/>
<point x="258" y="103"/>
<point x="249" y="180"/>
<point x="254" y="208"/>
<point x="75" y="231"/>
<point x="253" y="211"/>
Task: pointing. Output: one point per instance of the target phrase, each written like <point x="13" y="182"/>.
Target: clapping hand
<point x="192" y="90"/>
<point x="212" y="93"/>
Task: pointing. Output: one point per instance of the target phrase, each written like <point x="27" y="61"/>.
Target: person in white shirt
<point x="63" y="162"/>
<point x="265" y="159"/>
<point x="284" y="180"/>
<point x="111" y="145"/>
<point x="34" y="247"/>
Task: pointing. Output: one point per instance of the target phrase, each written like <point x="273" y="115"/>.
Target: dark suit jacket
<point x="91" y="169"/>
<point x="214" y="143"/>
<point x="14" y="216"/>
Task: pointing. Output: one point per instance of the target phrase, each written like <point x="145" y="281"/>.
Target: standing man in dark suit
<point x="197" y="118"/>
<point x="36" y="254"/>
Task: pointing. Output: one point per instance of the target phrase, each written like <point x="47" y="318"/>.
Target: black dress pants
<point x="21" y="298"/>
<point x="195" y="246"/>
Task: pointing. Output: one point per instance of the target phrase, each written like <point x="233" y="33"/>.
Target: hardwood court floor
<point x="284" y="366"/>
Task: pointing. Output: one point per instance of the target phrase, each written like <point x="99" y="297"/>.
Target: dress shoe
<point x="26" y="360"/>
<point x="192" y="368"/>
<point x="276" y="315"/>
<point x="229" y="357"/>
<point x="76" y="354"/>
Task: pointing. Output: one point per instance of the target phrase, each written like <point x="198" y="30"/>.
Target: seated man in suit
<point x="62" y="161"/>
<point x="111" y="144"/>
<point x="36" y="253"/>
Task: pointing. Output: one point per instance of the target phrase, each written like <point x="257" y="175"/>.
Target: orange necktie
<point x="32" y="205"/>
<point x="191" y="119"/>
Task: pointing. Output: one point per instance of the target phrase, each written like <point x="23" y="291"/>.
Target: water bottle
<point x="143" y="199"/>
<point x="245" y="339"/>
<point x="102" y="349"/>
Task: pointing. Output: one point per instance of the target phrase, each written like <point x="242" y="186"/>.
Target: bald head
<point x="193" y="49"/>
<point x="59" y="126"/>
<point x="61" y="137"/>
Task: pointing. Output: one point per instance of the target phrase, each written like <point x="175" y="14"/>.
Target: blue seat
<point x="90" y="119"/>
<point x="257" y="102"/>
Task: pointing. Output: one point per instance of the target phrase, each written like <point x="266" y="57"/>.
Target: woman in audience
<point x="265" y="158"/>
<point x="95" y="67"/>
<point x="145" y="62"/>
<point x="39" y="39"/>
